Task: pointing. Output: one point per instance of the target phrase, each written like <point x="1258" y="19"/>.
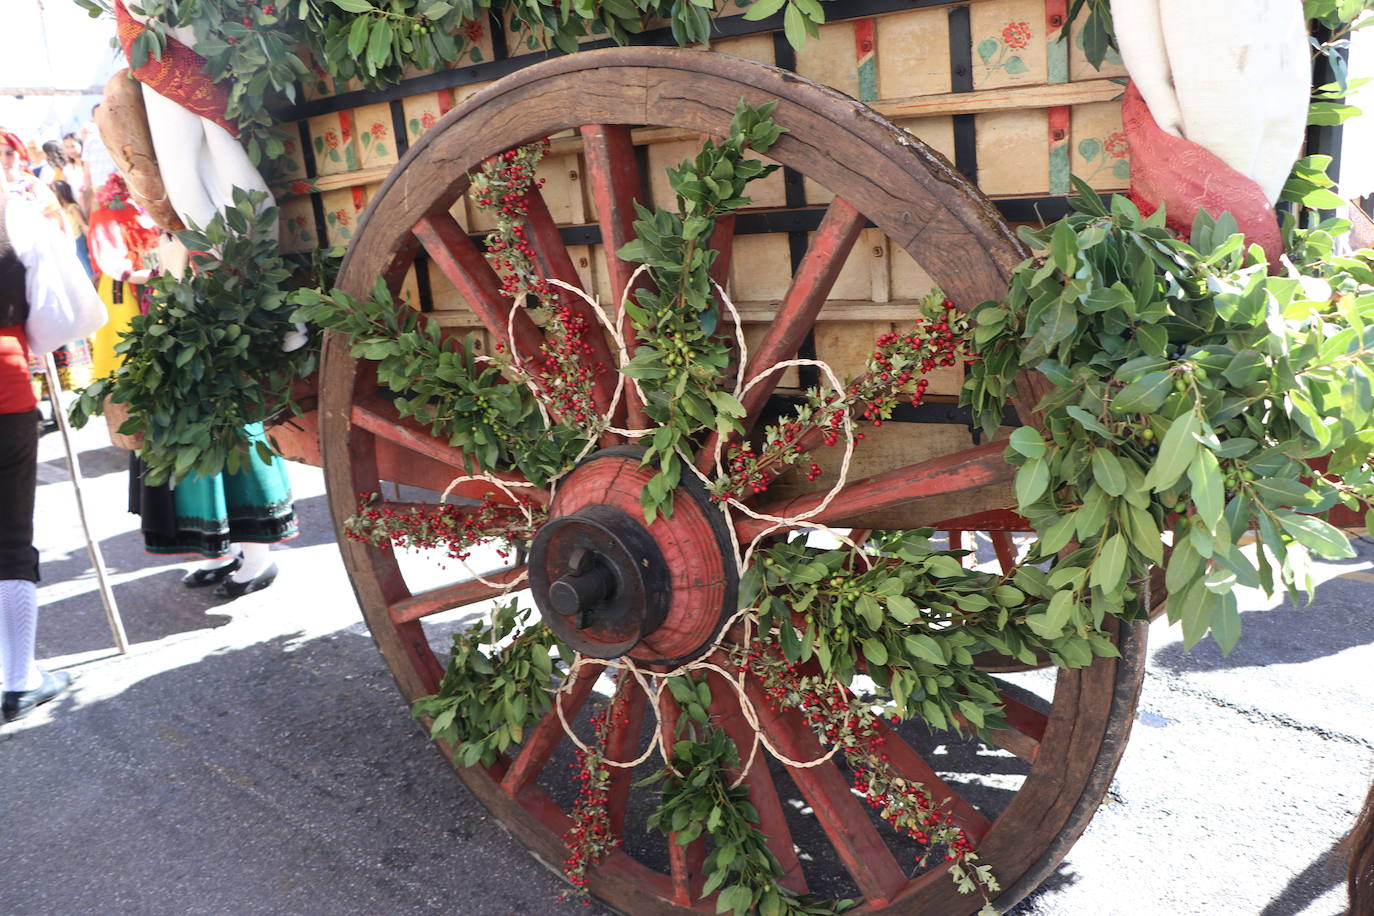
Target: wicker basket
<point x="116" y="413"/>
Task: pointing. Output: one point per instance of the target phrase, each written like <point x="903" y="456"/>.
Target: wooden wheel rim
<point x="911" y="194"/>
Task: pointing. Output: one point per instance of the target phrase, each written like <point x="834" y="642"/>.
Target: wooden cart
<point x="878" y="201"/>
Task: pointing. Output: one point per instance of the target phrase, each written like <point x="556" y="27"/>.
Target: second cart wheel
<point x="879" y="176"/>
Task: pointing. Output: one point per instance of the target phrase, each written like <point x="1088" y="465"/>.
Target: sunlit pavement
<point x="255" y="757"/>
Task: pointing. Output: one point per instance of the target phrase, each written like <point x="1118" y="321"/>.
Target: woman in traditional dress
<point x="122" y="239"/>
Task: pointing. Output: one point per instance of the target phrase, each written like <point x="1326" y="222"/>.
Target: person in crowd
<point x="94" y="154"/>
<point x="73" y="360"/>
<point x="78" y="172"/>
<point x="123" y="241"/>
<point x="54" y="161"/>
<point x="21" y="183"/>
<point x="75" y="222"/>
<point x="38" y="268"/>
<point x="229" y="519"/>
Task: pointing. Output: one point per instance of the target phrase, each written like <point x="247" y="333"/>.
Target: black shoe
<point x="199" y="578"/>
<point x="231" y="589"/>
<point x="17" y="702"/>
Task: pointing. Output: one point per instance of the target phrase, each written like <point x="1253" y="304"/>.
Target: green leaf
<point x="1316" y="535"/>
<point x="925" y="647"/>
<point x="1110" y="569"/>
<point x="1064" y="247"/>
<point x="1207" y="490"/>
<point x="1027" y="441"/>
<point x="1145" y="535"/>
<point x="762" y="9"/>
<point x="1108" y="473"/>
<point x="871" y="611"/>
<point x="1226" y="623"/>
<point x="902" y="608"/>
<point x="1144" y="395"/>
<point x="874" y="651"/>
<point x="353" y="6"/>
<point x="1282" y="491"/>
<point x="1031" y="481"/>
<point x="378" y="43"/>
<point x="1175" y="453"/>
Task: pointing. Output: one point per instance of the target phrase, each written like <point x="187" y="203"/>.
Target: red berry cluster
<point x="503" y="188"/>
<point x="894" y="372"/>
<point x="590" y="838"/>
<point x="838" y="717"/>
<point x="455" y="529"/>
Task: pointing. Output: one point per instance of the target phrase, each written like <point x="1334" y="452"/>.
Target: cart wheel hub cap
<point x="609" y="585"/>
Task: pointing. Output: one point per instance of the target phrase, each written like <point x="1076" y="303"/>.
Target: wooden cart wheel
<point x="879" y="174"/>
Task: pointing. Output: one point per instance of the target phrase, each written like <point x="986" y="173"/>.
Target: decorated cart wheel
<point x="659" y="600"/>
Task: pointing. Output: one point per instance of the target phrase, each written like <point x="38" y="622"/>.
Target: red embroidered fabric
<point x="179" y="75"/>
<point x="1184" y="178"/>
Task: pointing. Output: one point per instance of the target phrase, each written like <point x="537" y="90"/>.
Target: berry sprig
<point x="893" y="374"/>
<point x="564" y="371"/>
<point x="454" y="529"/>
<point x="839" y="717"/>
<point x="591" y="839"/>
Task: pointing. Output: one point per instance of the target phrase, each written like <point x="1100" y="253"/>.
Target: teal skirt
<point x="205" y="515"/>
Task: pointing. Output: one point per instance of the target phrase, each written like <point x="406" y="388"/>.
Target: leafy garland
<point x="1189" y="387"/>
<point x="680" y="358"/>
<point x="500" y="681"/>
<point x="698" y="800"/>
<point x="254" y="46"/>
<point x="912" y="617"/>
<point x="187" y="359"/>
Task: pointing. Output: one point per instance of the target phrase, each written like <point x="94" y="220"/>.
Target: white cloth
<point x="201" y="163"/>
<point x="63" y="306"/>
<point x="1230" y="75"/>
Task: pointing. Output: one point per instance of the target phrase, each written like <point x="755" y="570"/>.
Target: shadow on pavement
<point x="278" y="777"/>
<point x="1325" y="872"/>
<point x="1266" y="637"/>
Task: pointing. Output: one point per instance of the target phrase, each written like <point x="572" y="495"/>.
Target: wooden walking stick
<point x="92" y="546"/>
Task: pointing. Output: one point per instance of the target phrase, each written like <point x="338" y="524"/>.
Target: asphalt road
<point x="254" y="757"/>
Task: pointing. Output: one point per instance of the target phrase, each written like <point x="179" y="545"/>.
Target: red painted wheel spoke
<point x="914" y="767"/>
<point x="684" y="862"/>
<point x="622" y="745"/>
<point x="419" y="458"/>
<point x="552" y="259"/>
<point x="1025" y="728"/>
<point x="961" y="471"/>
<point x="459" y="259"/>
<point x="613" y="176"/>
<point x="763" y="794"/>
<point x="449" y="597"/>
<point x="843" y="818"/>
<point x="545" y="736"/>
<point x="1006" y="550"/>
<point x="956" y="542"/>
<point x="796" y="315"/>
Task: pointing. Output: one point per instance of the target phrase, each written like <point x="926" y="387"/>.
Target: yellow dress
<point x="121" y="301"/>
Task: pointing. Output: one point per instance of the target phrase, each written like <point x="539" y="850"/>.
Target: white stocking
<point x="18" y="631"/>
<point x="256" y="558"/>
